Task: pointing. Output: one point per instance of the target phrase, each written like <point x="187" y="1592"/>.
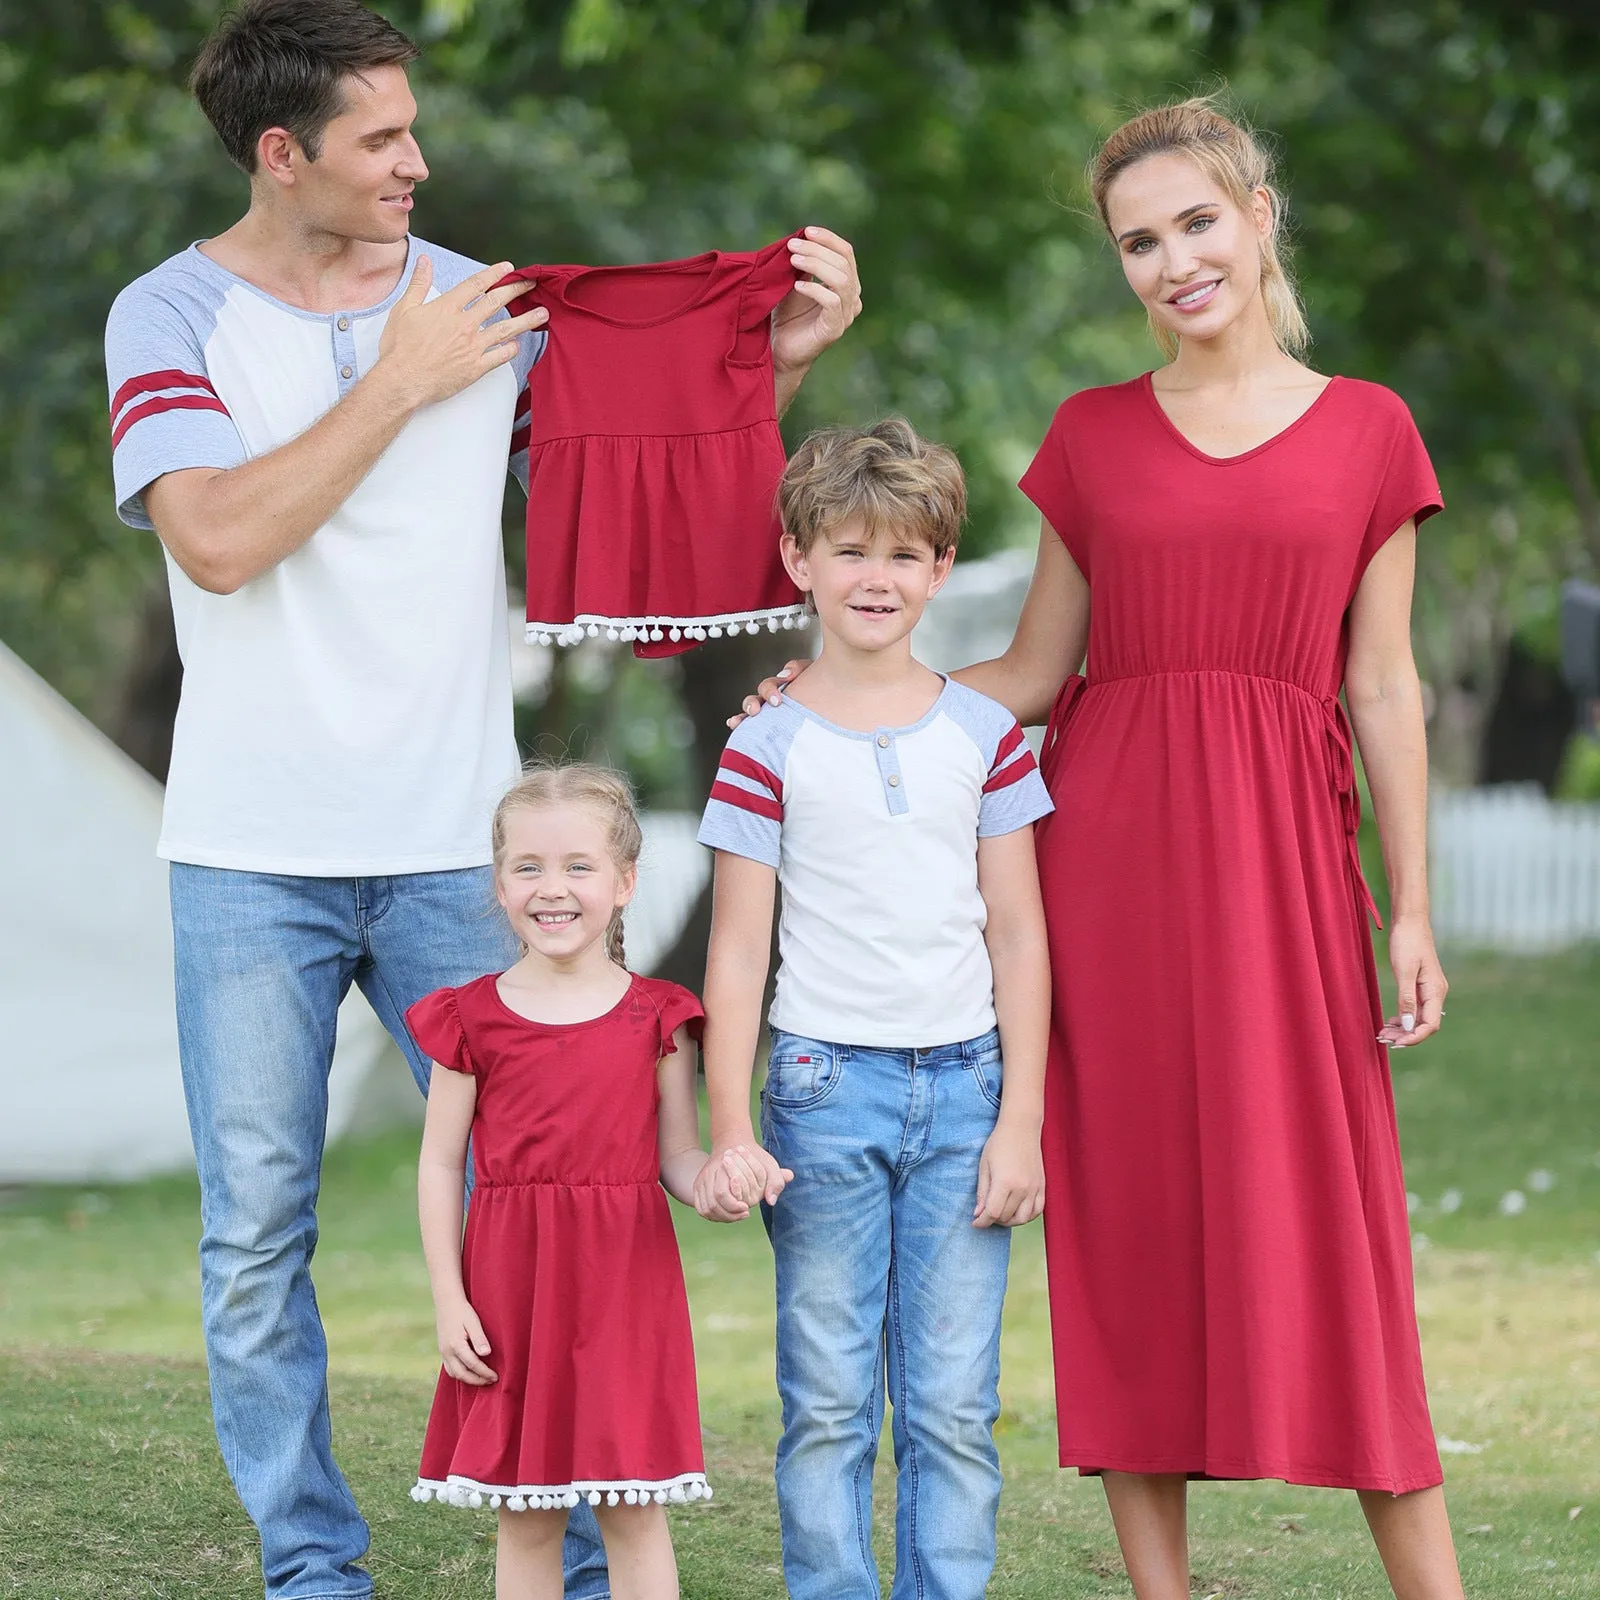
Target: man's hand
<point x="434" y="348"/>
<point x="1010" y="1178"/>
<point x="463" y="1344"/>
<point x="819" y="308"/>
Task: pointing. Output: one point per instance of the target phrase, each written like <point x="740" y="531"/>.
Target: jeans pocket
<point x="801" y="1073"/>
<point x="984" y="1063"/>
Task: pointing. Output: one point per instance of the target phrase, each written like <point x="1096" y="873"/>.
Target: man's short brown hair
<point x="887" y="474"/>
<point x="282" y="64"/>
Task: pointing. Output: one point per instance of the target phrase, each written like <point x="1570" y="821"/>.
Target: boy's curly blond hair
<point x="887" y="474"/>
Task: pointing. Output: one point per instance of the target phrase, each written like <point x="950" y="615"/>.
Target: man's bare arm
<point x="227" y="526"/>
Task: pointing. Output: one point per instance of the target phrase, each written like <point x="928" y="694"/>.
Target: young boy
<point x="896" y="809"/>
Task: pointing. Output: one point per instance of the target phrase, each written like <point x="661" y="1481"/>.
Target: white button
<point x="345" y="372"/>
<point x="344" y="324"/>
<point x="883" y="741"/>
<point x="894" y="780"/>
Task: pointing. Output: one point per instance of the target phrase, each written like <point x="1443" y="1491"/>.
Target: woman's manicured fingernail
<point x="1408" y="1021"/>
<point x="776" y="700"/>
<point x="784" y="675"/>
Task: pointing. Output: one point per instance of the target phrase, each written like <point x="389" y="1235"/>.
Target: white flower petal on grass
<point x="1450" y="1202"/>
<point x="1572" y="1515"/>
<point x="1458" y="1447"/>
<point x="1541" y="1180"/>
<point x="1513" y="1203"/>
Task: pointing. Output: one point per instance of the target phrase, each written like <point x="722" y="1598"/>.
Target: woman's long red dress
<point x="1230" y="1264"/>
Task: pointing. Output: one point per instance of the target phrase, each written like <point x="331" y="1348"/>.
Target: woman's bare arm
<point x="1385" y="700"/>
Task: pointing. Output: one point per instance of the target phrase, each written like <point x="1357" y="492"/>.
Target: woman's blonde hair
<point x="1231" y="154"/>
<point x="578" y="783"/>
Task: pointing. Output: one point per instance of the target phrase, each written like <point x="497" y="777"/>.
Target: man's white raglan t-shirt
<point x="874" y="838"/>
<point x="348" y="712"/>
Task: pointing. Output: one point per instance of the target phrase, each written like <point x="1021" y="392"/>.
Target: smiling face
<point x="869" y="588"/>
<point x="557" y="880"/>
<point x="1190" y="253"/>
<point x="368" y="162"/>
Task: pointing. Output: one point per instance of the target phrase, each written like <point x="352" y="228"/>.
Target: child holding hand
<point x="562" y="1318"/>
<point x="904" y="1093"/>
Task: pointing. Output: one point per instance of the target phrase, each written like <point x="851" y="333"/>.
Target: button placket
<point x="344" y="350"/>
<point x="887" y="752"/>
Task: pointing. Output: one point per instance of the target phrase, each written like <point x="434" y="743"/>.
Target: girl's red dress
<point x="1230" y="1262"/>
<point x="654" y="452"/>
<point x="569" y="1260"/>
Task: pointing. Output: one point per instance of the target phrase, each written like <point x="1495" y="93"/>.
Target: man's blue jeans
<point x="882" y="1277"/>
<point x="262" y="964"/>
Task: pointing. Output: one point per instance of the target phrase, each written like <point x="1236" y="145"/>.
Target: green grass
<point x="110" y="1483"/>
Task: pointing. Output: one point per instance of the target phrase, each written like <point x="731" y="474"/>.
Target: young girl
<point x="563" y="1323"/>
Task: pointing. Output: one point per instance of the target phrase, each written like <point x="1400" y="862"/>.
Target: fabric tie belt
<point x="1341" y="773"/>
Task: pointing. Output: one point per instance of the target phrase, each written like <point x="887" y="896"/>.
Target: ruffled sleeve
<point x="435" y="1023"/>
<point x="768" y="279"/>
<point x="676" y="1006"/>
<point x="1406" y="490"/>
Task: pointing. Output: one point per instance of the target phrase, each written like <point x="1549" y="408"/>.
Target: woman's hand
<point x="1419" y="980"/>
<point x="463" y="1344"/>
<point x="768" y="691"/>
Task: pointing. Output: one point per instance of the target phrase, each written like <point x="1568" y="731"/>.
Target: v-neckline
<point x="1147" y="383"/>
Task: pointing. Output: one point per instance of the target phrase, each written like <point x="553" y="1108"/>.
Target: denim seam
<point x="907" y="1470"/>
<point x="864" y="1464"/>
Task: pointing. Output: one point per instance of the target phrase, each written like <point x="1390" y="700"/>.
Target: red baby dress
<point x="569" y="1260"/>
<point x="654" y="452"/>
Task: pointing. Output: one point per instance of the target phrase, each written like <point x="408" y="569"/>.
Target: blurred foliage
<point x="1443" y="159"/>
<point x="1580" y="769"/>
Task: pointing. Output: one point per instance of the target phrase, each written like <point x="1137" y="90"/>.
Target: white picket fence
<point x="1513" y="870"/>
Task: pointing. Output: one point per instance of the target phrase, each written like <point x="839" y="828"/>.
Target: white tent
<point x="89" y="1077"/>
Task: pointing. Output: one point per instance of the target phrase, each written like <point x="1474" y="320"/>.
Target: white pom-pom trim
<point x="589" y="626"/>
<point x="561" y="1497"/>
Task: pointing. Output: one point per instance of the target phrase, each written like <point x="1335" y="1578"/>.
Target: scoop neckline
<point x="385" y="304"/>
<point x="494" y="978"/>
<point x="710" y="260"/>
<point x="872" y="733"/>
<point x="1147" y="384"/>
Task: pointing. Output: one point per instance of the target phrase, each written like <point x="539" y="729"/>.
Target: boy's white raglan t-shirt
<point x="874" y="837"/>
<point x="348" y="712"/>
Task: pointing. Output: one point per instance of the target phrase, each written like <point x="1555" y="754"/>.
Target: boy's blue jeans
<point x="262" y="964"/>
<point x="882" y="1279"/>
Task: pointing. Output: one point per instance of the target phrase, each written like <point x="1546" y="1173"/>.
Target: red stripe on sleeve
<point x="174" y="402"/>
<point x="735" y="761"/>
<point x="745" y="801"/>
<point x="524" y="402"/>
<point x="1019" y="769"/>
<point x="1007" y="746"/>
<point x="171" y="378"/>
<point x="519" y="439"/>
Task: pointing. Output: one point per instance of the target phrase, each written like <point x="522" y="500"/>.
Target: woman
<point x="1230" y="1272"/>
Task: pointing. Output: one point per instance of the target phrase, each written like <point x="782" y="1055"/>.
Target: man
<point x="314" y="411"/>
